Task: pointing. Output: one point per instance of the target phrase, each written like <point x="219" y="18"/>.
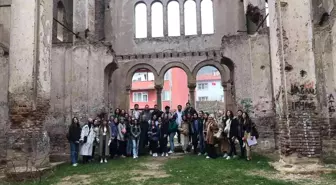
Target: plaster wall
<point x="77" y="88"/>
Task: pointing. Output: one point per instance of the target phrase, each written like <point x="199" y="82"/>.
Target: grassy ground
<point x="178" y="170"/>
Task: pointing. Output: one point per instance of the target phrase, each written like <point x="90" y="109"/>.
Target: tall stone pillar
<point x="29" y="82"/>
<point x="228" y="99"/>
<point x="192" y="87"/>
<point x="158" y="95"/>
<point x="127" y="101"/>
<point x="298" y="112"/>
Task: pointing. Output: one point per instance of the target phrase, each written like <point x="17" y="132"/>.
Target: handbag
<point x="86" y="137"/>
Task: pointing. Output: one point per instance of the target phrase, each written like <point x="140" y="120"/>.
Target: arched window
<point x="207" y="17"/>
<point x="60" y="18"/>
<point x="190" y="19"/>
<point x="157" y="19"/>
<point x="173" y="19"/>
<point x="141" y="20"/>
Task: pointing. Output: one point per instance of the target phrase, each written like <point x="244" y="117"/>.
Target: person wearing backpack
<point x="74" y="137"/>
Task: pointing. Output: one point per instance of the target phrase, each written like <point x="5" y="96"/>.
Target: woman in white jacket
<point x="87" y="138"/>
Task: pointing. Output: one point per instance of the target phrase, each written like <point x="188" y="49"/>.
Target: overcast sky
<point x="174" y="19"/>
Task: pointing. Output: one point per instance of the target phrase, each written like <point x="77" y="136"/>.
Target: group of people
<point x="131" y="134"/>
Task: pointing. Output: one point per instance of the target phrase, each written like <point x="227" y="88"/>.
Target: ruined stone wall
<point x="77" y="89"/>
<point x="4" y="121"/>
<point x="228" y="19"/>
<point x="5" y="18"/>
<point x="252" y="82"/>
<point x="68" y="20"/>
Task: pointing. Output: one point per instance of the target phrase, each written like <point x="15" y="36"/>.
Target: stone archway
<point x="109" y="69"/>
<point x="227" y="81"/>
<point x="170" y="65"/>
<point x="129" y="76"/>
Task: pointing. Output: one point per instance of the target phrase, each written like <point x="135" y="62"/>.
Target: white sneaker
<point x="170" y="152"/>
<point x="207" y="157"/>
<point x="163" y="154"/>
<point x="101" y="161"/>
<point x="225" y="156"/>
<point x="75" y="164"/>
<point x="199" y="154"/>
<point x="153" y="155"/>
<point x="150" y="153"/>
<point x="167" y="155"/>
<point x="228" y="158"/>
<point x="235" y="156"/>
<point x="105" y="161"/>
<point x="134" y="157"/>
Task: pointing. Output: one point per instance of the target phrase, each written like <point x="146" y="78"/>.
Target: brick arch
<point x="212" y="63"/>
<point x="170" y="65"/>
<point x="135" y="68"/>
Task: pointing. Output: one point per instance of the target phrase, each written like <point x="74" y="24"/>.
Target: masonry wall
<point x="77" y="89"/>
<point x="252" y="82"/>
<point x="4" y="122"/>
<point x="228" y="19"/>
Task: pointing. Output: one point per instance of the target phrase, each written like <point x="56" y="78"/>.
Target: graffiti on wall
<point x="331" y="102"/>
<point x="303" y="95"/>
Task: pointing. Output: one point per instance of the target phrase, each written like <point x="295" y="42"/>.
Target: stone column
<point x="158" y="95"/>
<point x="182" y="31"/>
<point x="165" y="20"/>
<point x="29" y="82"/>
<point x="228" y="99"/>
<point x="127" y="98"/>
<point x="198" y="16"/>
<point x="298" y="111"/>
<point x="149" y="21"/>
<point x="192" y="87"/>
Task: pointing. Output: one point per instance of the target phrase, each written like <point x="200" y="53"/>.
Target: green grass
<point x="186" y="170"/>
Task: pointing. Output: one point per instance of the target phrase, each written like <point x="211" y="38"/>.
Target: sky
<point x="173" y="16"/>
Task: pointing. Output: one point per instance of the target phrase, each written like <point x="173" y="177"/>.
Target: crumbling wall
<point x="4" y="122"/>
<point x="77" y="89"/>
<point x="252" y="82"/>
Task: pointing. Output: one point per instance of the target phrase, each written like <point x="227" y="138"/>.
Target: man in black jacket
<point x="157" y="112"/>
<point x="189" y="110"/>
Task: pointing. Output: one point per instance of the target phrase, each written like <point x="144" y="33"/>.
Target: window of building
<point x="203" y="98"/>
<point x="207" y="17"/>
<point x="61" y="19"/>
<point x="140" y="97"/>
<point x="167" y="75"/>
<point x="202" y="86"/>
<point x="165" y="95"/>
<point x="190" y="18"/>
<point x="173" y="18"/>
<point x="157" y="19"/>
<point x="141" y="20"/>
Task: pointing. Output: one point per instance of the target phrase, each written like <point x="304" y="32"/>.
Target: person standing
<point x="250" y="131"/>
<point x="121" y="138"/>
<point x="135" y="131"/>
<point x="178" y="116"/>
<point x="223" y="140"/>
<point x="172" y="129"/>
<point x="136" y="112"/>
<point x="157" y="111"/>
<point x="128" y="135"/>
<point x="196" y="131"/>
<point x="144" y="134"/>
<point x="114" y="135"/>
<point x="184" y="130"/>
<point x="96" y="124"/>
<point x="231" y="131"/>
<point x="74" y="137"/>
<point x="104" y="140"/>
<point x="153" y="134"/>
<point x="240" y="132"/>
<point x="87" y="138"/>
<point x="166" y="117"/>
<point x="189" y="109"/>
<point x="212" y="128"/>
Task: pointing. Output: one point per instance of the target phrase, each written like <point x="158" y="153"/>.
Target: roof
<point x="208" y="77"/>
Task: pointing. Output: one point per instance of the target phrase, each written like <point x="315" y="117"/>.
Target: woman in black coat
<point x="73" y="137"/>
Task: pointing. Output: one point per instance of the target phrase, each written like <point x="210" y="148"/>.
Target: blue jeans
<point x="135" y="146"/>
<point x="201" y="143"/>
<point x="74" y="152"/>
<point x="171" y="141"/>
<point x="129" y="147"/>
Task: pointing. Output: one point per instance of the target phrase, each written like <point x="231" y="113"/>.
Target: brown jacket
<point x="212" y="128"/>
<point x="184" y="128"/>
